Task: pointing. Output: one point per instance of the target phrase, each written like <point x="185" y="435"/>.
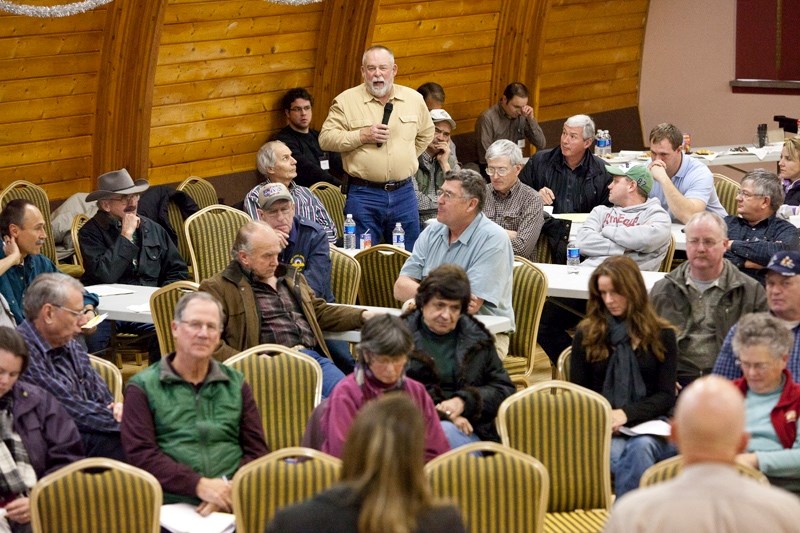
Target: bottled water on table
<point x="573" y="260"/>
<point x="349" y="233"/>
<point x="399" y="236"/>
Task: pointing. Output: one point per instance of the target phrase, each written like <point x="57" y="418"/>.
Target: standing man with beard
<point x="380" y="159"/>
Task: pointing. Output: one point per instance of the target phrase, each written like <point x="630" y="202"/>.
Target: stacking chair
<point x="279" y="479"/>
<point x="345" y="277"/>
<point x="175" y="218"/>
<point x="380" y="267"/>
<point x="568" y="428"/>
<point x="110" y="374"/>
<point x="666" y="263"/>
<point x="497" y="490"/>
<point x="670" y="468"/>
<point x="199" y="190"/>
<point x="38" y="197"/>
<point x="210" y="233"/>
<point x="529" y="292"/>
<point x="564" y="362"/>
<point x="287" y="386"/>
<point x="162" y="306"/>
<point x="727" y="189"/>
<point x="96" y="494"/>
<point x="543" y="253"/>
<point x="77" y="224"/>
<point x="333" y="200"/>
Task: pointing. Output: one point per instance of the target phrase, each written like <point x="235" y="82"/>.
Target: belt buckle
<point x="390" y="186"/>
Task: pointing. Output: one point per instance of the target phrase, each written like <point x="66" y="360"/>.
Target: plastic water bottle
<point x="349" y="233"/>
<point x="607" y="146"/>
<point x="399" y="236"/>
<point x="599" y="141"/>
<point x="573" y="259"/>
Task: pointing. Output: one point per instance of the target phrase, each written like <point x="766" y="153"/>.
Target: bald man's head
<point x="709" y="421"/>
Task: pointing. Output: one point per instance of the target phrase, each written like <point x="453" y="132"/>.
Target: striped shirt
<point x="306" y="206"/>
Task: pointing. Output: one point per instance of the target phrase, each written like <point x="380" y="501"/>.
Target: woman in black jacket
<point x="455" y="358"/>
<point x="623" y="350"/>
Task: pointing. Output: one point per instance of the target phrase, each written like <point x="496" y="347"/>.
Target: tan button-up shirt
<point x="410" y="133"/>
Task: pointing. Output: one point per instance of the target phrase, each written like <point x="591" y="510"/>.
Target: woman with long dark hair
<point x="383" y="488"/>
<point x="623" y="350"/>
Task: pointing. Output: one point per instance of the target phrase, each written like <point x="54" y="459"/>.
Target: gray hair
<point x="708" y="215"/>
<point x="180" y="307"/>
<point x="473" y="184"/>
<point x="50" y="288"/>
<point x="265" y="158"/>
<point x="376" y="48"/>
<point x="243" y="240"/>
<point x="766" y="183"/>
<point x="582" y="121"/>
<point x="505" y="148"/>
<point x="385" y="335"/>
<point x="763" y="329"/>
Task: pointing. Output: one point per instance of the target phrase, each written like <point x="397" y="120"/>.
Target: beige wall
<point x="688" y="60"/>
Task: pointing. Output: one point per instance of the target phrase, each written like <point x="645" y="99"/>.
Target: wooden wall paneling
<point x="124" y="96"/>
<point x="42" y="108"/>
<point x="346" y="30"/>
<point x="517" y="50"/>
<point x="591" y="59"/>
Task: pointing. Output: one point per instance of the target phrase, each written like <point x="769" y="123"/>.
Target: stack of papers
<point x="651" y="427"/>
<point x="182" y="518"/>
<point x="108" y="290"/>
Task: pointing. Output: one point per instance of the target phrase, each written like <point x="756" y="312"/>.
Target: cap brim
<point x="615" y="170"/>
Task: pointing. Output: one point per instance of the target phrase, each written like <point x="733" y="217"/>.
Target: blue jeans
<point x="342" y="358"/>
<point x="378" y="211"/>
<point x="330" y="374"/>
<point x="631" y="456"/>
<point x="455" y="437"/>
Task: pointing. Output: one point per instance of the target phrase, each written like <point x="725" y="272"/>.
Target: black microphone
<point x="387" y="111"/>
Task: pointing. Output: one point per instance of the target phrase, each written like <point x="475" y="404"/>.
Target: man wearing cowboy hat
<point x="119" y="246"/>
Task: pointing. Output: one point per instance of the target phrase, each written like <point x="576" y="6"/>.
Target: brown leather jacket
<point x="242" y="327"/>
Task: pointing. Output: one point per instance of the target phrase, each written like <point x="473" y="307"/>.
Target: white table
<point x="495" y="324"/>
<point x="117" y="306"/>
<point x="562" y="284"/>
<point x="722" y="157"/>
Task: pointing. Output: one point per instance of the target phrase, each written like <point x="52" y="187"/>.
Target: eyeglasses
<point x="448" y="196"/>
<point x="196" y="326"/>
<point x="500" y="171"/>
<point x="756" y="367"/>
<point x="76" y="314"/>
<point x="747" y="194"/>
<point x="125" y="199"/>
<point x="707" y="243"/>
<point x="298" y="109"/>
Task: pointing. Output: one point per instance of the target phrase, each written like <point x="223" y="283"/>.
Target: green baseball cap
<point x="637" y="174"/>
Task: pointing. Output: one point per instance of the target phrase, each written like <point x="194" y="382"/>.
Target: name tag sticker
<point x="521" y="143"/>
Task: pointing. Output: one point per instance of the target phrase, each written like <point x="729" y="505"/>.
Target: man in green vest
<point x="190" y="421"/>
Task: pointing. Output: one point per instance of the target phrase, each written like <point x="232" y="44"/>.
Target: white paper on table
<point x="760" y="153"/>
<point x="651" y="427"/>
<point x="183" y="518"/>
<point x="139" y="308"/>
<point x="108" y="290"/>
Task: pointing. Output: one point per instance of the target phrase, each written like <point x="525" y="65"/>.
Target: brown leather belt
<point x="388" y="186"/>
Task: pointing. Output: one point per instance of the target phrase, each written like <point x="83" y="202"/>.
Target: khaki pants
<point x="501" y="342"/>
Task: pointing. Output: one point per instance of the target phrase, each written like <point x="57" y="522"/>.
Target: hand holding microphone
<point x="387" y="112"/>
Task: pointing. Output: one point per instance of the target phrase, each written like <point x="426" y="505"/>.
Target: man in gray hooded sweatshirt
<point x="634" y="226"/>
